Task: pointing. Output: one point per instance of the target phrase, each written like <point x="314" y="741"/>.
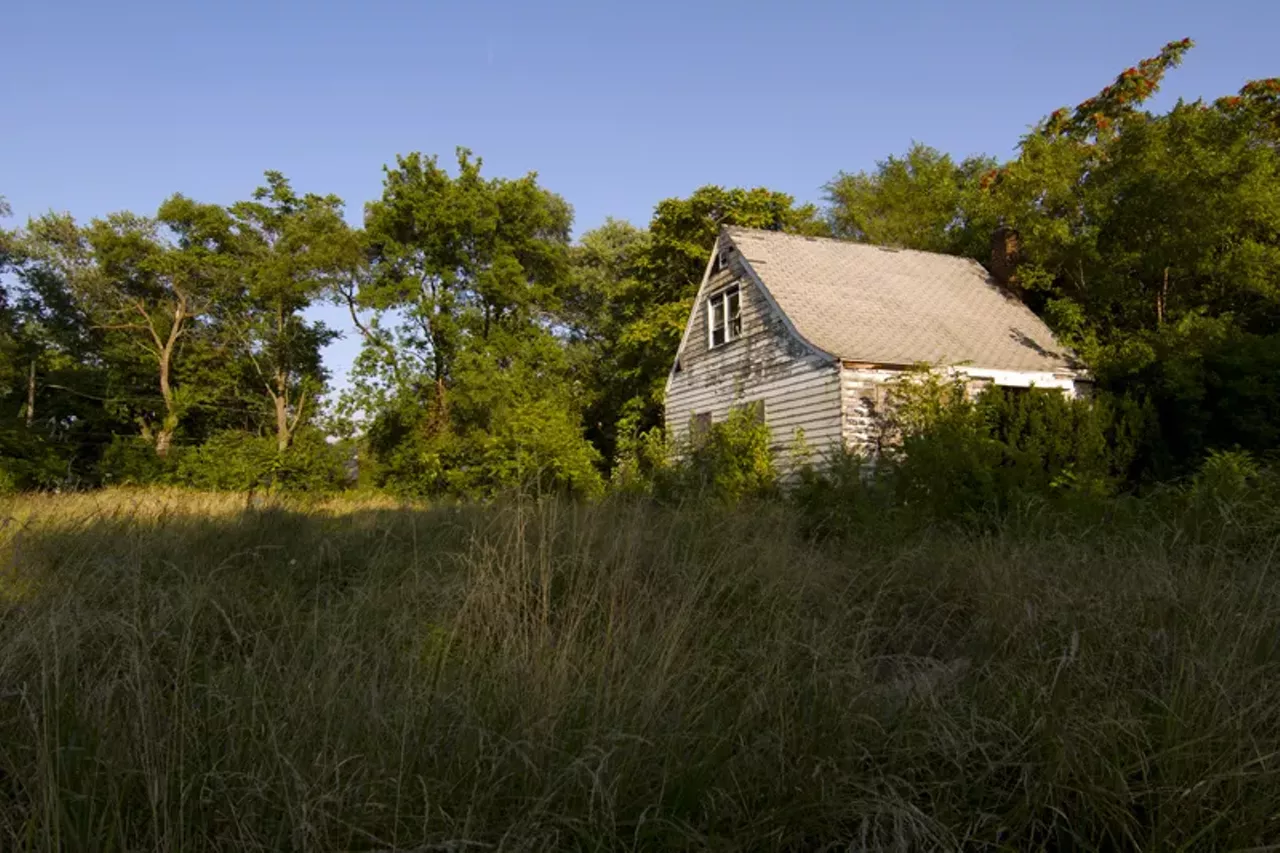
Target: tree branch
<point x="150" y="326"/>
<point x="297" y="415"/>
<point x="349" y="296"/>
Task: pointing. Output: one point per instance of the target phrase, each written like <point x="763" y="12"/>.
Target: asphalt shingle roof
<point x="897" y="306"/>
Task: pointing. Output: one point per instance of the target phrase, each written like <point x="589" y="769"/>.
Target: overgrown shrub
<point x="724" y="462"/>
<point x="841" y="494"/>
<point x="953" y="458"/>
<point x="313" y="463"/>
<point x="238" y="461"/>
<point x="230" y="461"/>
<point x="533" y="446"/>
<point x="27" y="461"/>
<point x="642" y="458"/>
<point x="133" y="461"/>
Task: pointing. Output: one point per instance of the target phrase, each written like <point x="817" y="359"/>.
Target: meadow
<point x="186" y="671"/>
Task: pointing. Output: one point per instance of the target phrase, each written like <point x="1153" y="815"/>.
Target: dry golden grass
<point x="184" y="672"/>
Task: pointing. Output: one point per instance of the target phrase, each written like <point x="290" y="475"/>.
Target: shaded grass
<point x="180" y="672"/>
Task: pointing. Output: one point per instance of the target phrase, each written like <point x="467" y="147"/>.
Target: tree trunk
<point x="164" y="436"/>
<point x="284" y="435"/>
<point x="1161" y="297"/>
<point x="164" y="439"/>
<point x="30" y="409"/>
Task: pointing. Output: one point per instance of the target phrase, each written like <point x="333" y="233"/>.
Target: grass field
<point x="181" y="673"/>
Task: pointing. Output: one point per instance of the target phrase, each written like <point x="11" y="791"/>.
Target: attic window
<point x="724" y="257"/>
<point x="724" y="317"/>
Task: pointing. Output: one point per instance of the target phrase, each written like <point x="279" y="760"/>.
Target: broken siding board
<point x="864" y="391"/>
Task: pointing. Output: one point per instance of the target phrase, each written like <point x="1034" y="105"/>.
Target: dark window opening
<point x="724" y="317"/>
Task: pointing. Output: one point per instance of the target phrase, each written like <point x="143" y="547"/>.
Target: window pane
<point x="715" y="317"/>
<point x="735" y="313"/>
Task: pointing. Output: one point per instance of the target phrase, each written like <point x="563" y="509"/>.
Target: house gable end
<point x="716" y="277"/>
<point x="763" y="364"/>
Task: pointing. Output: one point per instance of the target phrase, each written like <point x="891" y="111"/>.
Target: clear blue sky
<point x="115" y="105"/>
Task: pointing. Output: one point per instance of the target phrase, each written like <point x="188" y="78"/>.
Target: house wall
<point x="865" y="390"/>
<point x="800" y="389"/>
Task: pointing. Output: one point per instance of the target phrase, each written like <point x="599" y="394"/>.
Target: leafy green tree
<point x="147" y="284"/>
<point x="451" y="259"/>
<point x="292" y="250"/>
<point x="464" y="373"/>
<point x="605" y="295"/>
<point x="921" y="200"/>
<point x="1151" y="242"/>
<point x="52" y="366"/>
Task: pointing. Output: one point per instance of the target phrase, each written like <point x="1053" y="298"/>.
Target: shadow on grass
<point x="187" y="675"/>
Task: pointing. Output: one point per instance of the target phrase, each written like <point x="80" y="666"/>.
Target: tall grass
<point x="183" y="672"/>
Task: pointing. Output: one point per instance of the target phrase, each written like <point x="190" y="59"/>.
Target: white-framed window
<point x="724" y="317"/>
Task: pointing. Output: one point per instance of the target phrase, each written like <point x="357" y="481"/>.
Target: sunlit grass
<point x="192" y="672"/>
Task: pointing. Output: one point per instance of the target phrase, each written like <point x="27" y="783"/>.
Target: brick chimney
<point x="1006" y="253"/>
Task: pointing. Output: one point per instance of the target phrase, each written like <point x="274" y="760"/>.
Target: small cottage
<point x="808" y="332"/>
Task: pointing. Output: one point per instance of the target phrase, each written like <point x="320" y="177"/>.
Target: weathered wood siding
<point x="865" y="394"/>
<point x="800" y="389"/>
<point x="865" y="397"/>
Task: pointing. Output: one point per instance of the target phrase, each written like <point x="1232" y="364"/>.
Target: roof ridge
<point x="791" y="235"/>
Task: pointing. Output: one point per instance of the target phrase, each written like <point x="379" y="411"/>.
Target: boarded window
<point x="724" y="317"/>
<point x="723" y="260"/>
<point x="700" y="424"/>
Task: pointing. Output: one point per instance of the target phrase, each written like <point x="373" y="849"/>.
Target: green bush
<point x="975" y="461"/>
<point x="533" y="446"/>
<point x="239" y="461"/>
<point x="314" y="464"/>
<point x="725" y="462"/>
<point x="28" y="461"/>
<point x="642" y="458"/>
<point x="841" y="494"/>
<point x="132" y="461"/>
<point x="230" y="461"/>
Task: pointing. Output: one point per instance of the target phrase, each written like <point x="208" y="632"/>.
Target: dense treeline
<point x="497" y="352"/>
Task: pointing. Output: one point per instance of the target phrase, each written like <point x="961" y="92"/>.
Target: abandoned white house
<point x="809" y="331"/>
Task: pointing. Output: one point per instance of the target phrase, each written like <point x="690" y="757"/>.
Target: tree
<point x="146" y="284"/>
<point x="605" y="294"/>
<point x="921" y="200"/>
<point x="463" y="371"/>
<point x="450" y="260"/>
<point x="1152" y="244"/>
<point x="51" y="361"/>
<point x="291" y="250"/>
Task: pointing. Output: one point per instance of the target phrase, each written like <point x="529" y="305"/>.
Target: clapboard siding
<point x="865" y="392"/>
<point x="800" y="389"/>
